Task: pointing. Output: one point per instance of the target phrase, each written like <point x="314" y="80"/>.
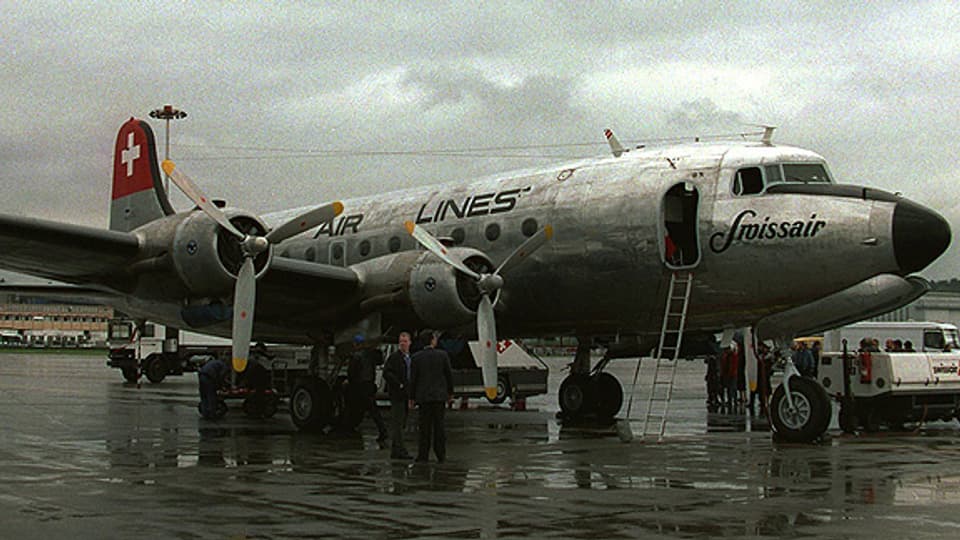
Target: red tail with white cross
<point x="138" y="196"/>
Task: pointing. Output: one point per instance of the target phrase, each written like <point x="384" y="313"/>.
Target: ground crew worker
<point x="211" y="377"/>
<point x="361" y="374"/>
<point x="396" y="372"/>
<point x="431" y="386"/>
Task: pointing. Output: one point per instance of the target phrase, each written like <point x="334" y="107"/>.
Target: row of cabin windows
<point x="529" y="227"/>
<point x="753" y="180"/>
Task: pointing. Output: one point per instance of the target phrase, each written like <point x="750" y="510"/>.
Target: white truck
<point x="892" y="387"/>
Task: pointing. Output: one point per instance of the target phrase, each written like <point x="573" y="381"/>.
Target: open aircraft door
<point x="679" y="223"/>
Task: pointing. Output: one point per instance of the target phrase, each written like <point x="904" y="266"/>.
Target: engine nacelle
<point x="207" y="258"/>
<point x="440" y="295"/>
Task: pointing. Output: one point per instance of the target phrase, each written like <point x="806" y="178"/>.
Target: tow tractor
<point x="892" y="388"/>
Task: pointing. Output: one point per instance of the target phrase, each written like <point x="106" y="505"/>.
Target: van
<point x="925" y="336"/>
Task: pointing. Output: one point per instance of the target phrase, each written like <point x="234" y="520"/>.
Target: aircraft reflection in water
<point x="587" y="248"/>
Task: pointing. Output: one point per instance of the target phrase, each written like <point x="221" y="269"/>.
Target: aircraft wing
<point x="302" y="283"/>
<point x="62" y="251"/>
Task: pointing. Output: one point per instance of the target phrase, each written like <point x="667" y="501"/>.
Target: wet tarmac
<point x="84" y="455"/>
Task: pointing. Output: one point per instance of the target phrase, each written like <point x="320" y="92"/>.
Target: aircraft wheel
<point x="810" y="416"/>
<point x="310" y="405"/>
<point x="609" y="395"/>
<point x="131" y="374"/>
<point x="156" y="369"/>
<point x="503" y="390"/>
<point x="574" y="395"/>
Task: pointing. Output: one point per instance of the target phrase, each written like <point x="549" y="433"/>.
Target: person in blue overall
<point x="211" y="376"/>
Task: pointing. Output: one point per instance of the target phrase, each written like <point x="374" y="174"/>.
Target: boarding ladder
<point x="668" y="352"/>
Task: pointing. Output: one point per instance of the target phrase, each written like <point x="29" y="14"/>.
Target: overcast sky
<point x="283" y="101"/>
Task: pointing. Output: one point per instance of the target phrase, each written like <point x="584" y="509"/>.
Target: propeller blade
<point x="525" y="249"/>
<point x="434" y="246"/>
<point x="487" y="333"/>
<point x="193" y="192"/>
<point x="305" y="221"/>
<point x="244" y="298"/>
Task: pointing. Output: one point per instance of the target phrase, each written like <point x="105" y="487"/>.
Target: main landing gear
<point x="587" y="392"/>
<point x="807" y="417"/>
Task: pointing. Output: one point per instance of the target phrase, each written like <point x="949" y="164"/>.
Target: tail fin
<point x="615" y="145"/>
<point x="138" y="195"/>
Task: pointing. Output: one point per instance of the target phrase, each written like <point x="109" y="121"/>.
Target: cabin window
<point x="364" y="248"/>
<point x="394" y="244"/>
<point x="458" y="235"/>
<point x="311" y="254"/>
<point x="492" y="232"/>
<point x="337" y="252"/>
<point x="529" y="227"/>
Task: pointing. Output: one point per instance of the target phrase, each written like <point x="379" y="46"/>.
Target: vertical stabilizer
<point x="615" y="145"/>
<point x="138" y="196"/>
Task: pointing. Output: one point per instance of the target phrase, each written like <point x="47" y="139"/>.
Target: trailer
<point x="878" y="388"/>
<point x="313" y="378"/>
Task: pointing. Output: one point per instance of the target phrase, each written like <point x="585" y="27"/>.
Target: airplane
<point x="587" y="248"/>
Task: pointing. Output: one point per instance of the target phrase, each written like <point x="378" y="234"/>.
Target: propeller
<point x="251" y="245"/>
<point x="488" y="285"/>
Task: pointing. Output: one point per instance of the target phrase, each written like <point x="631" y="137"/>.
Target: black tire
<point x="253" y="407"/>
<point x="131" y="374"/>
<point x="608" y="394"/>
<point x="503" y="390"/>
<point x="574" y="395"/>
<point x="871" y="419"/>
<point x="156" y="369"/>
<point x="221" y="409"/>
<point x="847" y="417"/>
<point x="812" y="415"/>
<point x="270" y="406"/>
<point x="310" y="405"/>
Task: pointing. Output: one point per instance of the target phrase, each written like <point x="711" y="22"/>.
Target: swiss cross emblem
<point x="130" y="154"/>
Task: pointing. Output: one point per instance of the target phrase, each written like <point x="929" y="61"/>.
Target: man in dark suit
<point x="397" y="374"/>
<point x="361" y="374"/>
<point x="431" y="386"/>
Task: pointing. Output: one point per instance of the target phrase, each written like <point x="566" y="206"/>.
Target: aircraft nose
<point x="920" y="235"/>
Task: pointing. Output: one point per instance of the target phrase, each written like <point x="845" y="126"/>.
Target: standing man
<point x="211" y="375"/>
<point x="397" y="374"/>
<point x="431" y="385"/>
<point x="361" y="374"/>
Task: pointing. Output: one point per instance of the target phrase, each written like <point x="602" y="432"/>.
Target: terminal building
<point x="32" y="320"/>
<point x="937" y="305"/>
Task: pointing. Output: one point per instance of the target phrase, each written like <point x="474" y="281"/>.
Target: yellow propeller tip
<point x="337" y="208"/>
<point x="239" y="364"/>
<point x="409" y="225"/>
<point x="548" y="230"/>
<point x="491" y="392"/>
<point x="168" y="166"/>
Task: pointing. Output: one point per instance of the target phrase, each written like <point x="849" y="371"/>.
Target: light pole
<point x="168" y="112"/>
<point x="171" y="341"/>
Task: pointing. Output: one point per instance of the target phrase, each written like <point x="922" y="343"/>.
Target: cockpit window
<point x="805" y="173"/>
<point x="750" y="180"/>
